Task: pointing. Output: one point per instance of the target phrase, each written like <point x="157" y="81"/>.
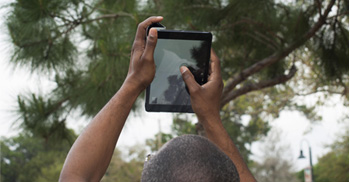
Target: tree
<point x="126" y="169"/>
<point x="251" y="36"/>
<point x="181" y="125"/>
<point x="30" y="158"/>
<point x="83" y="46"/>
<point x="262" y="45"/>
<point x="274" y="165"/>
<point x="334" y="166"/>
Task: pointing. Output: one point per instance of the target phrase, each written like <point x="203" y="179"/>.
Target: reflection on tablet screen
<point x="168" y="87"/>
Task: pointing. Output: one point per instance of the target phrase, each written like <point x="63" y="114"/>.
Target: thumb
<point x="188" y="78"/>
<point x="150" y="44"/>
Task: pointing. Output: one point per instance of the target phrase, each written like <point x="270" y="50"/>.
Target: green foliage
<point x="53" y="171"/>
<point x="27" y="158"/>
<point x="84" y="48"/>
<point x="331" y="46"/>
<point x="43" y="36"/>
<point x="87" y="44"/>
<point x="121" y="169"/>
<point x="246" y="32"/>
<point x="159" y="140"/>
<point x="300" y="175"/>
<point x="333" y="166"/>
<point x="42" y="119"/>
<point x="181" y="125"/>
<point x="40" y="42"/>
<point x="244" y="124"/>
<point x="241" y="35"/>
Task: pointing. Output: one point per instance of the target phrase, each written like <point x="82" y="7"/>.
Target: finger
<point x="214" y="61"/>
<point x="215" y="71"/>
<point x="150" y="45"/>
<point x="141" y="29"/>
<point x="188" y="78"/>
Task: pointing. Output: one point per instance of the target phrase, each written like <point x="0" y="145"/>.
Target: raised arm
<point x="205" y="101"/>
<point x="91" y="153"/>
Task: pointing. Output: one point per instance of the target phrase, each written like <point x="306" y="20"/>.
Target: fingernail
<point x="183" y="69"/>
<point x="153" y="32"/>
<point x="159" y="17"/>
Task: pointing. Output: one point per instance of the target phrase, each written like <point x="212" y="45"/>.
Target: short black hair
<point x="190" y="158"/>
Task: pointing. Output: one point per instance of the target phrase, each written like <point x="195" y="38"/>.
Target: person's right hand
<point x="142" y="68"/>
<point x="205" y="99"/>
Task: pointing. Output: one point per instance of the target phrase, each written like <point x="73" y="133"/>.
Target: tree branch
<point x="93" y="8"/>
<point x="238" y="78"/>
<point x="265" y="29"/>
<point x="47" y="53"/>
<point x="319" y="91"/>
<point x="339" y="14"/>
<point x="258" y="86"/>
<point x="263" y="39"/>
<point x="201" y="6"/>
<point x="115" y="15"/>
<point x="56" y="106"/>
<point x="319" y="7"/>
<point x="71" y="26"/>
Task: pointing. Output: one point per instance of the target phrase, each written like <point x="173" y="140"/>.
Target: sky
<point x="294" y="126"/>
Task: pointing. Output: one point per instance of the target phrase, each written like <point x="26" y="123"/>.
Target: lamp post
<point x="301" y="156"/>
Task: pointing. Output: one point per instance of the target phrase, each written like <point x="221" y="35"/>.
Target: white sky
<point x="16" y="81"/>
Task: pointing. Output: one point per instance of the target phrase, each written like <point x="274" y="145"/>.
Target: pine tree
<point x="84" y="47"/>
<point x="271" y="52"/>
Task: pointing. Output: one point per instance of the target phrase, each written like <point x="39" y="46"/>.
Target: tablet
<point x="168" y="92"/>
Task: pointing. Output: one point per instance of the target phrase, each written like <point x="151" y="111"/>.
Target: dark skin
<point x="90" y="155"/>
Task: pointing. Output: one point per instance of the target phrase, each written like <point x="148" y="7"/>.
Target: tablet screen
<point x="168" y="92"/>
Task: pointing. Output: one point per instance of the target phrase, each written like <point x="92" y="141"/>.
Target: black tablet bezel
<point x="179" y="35"/>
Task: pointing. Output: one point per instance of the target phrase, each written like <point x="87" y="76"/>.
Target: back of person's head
<point x="189" y="158"/>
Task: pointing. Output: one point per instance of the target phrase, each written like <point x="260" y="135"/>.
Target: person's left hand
<point x="205" y="99"/>
<point x="142" y="68"/>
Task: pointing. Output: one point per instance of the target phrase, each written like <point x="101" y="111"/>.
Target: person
<point x="91" y="153"/>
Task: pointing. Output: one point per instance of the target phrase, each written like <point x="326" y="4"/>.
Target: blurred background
<point x="285" y="66"/>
